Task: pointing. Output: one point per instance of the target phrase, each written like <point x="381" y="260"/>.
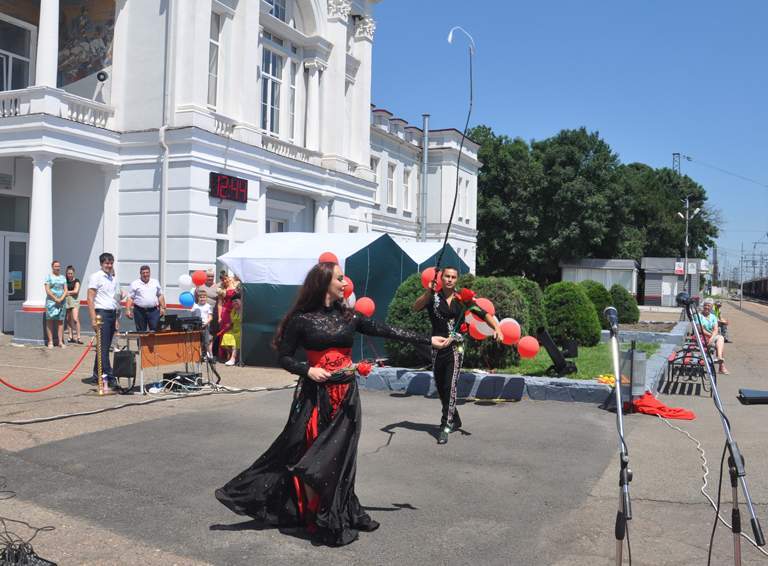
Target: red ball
<point x="486" y="305"/>
<point x="511" y="331"/>
<point x="350" y="288"/>
<point x="199" y="277"/>
<point x="328" y="257"/>
<point x="428" y="275"/>
<point x="528" y="347"/>
<point x="365" y="306"/>
<point x="475" y="333"/>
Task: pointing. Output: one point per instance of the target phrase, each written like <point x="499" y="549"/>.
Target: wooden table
<point x="166" y="348"/>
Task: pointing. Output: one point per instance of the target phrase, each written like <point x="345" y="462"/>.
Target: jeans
<point x="107" y="332"/>
<point x="146" y="319"/>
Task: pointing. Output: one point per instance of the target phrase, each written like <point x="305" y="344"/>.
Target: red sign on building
<point x="227" y="187"/>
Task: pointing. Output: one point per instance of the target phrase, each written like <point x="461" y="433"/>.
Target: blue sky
<point x="653" y="77"/>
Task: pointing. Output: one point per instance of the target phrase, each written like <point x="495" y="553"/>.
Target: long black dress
<point x="318" y="446"/>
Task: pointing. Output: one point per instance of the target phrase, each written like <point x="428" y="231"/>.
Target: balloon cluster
<point x="363" y="305"/>
<point x="187" y="283"/>
<point x="479" y="329"/>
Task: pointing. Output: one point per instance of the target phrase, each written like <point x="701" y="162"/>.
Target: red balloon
<point x="365" y="306"/>
<point x="528" y="347"/>
<point x="350" y="288"/>
<point x="199" y="277"/>
<point x="474" y="332"/>
<point x="328" y="257"/>
<point x="428" y="275"/>
<point x="511" y="331"/>
<point x="486" y="305"/>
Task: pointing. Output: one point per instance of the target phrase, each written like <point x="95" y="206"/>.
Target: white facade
<point x="276" y="92"/>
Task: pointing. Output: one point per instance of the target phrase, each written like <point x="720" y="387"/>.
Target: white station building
<point x="168" y="131"/>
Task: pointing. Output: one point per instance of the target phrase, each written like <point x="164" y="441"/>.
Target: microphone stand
<point x="624" y="513"/>
<point x="736" y="469"/>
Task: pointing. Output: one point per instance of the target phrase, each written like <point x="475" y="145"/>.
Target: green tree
<point x="570" y="314"/>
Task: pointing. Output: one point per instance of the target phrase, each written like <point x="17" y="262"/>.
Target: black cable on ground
<point x="15" y="550"/>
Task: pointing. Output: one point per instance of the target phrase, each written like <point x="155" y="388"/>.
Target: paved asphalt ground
<point x="530" y="483"/>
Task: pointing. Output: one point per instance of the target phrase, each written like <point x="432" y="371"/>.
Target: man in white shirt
<point x="102" y="291"/>
<point x="145" y="302"/>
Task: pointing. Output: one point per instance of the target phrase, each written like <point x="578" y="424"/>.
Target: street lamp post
<point x="687" y="217"/>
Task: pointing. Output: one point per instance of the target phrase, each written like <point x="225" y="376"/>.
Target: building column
<point x="111" y="215"/>
<point x="47" y="63"/>
<point x="261" y="210"/>
<point x="364" y="30"/>
<point x="40" y="230"/>
<point x="322" y="208"/>
<point x="313" y="106"/>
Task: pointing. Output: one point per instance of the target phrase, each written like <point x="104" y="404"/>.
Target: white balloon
<point x="351" y="300"/>
<point x="185" y="282"/>
<point x="483" y="327"/>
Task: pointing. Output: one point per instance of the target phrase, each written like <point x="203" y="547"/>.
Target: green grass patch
<point x="592" y="361"/>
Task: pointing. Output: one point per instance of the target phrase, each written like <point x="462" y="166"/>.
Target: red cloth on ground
<point x="649" y="405"/>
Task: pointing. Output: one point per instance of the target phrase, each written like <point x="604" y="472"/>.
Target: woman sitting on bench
<point x="709" y="327"/>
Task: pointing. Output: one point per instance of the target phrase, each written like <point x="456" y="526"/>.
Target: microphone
<point x="683" y="299"/>
<point x="612" y="316"/>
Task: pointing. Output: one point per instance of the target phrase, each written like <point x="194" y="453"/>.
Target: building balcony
<point x="56" y="102"/>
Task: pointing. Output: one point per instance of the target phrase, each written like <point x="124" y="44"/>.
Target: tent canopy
<point x="284" y="258"/>
<point x="424" y="254"/>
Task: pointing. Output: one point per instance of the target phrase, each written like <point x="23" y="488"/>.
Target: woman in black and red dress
<point x="307" y="476"/>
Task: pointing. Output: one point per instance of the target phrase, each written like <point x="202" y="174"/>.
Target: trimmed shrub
<point x="509" y="302"/>
<point x="570" y="314"/>
<point x="626" y="304"/>
<point x="535" y="299"/>
<point x="488" y="354"/>
<point x="599" y="296"/>
<point x="402" y="315"/>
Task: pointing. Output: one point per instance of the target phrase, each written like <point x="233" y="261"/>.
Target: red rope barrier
<point x="52" y="385"/>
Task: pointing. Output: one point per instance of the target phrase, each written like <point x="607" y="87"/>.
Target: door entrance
<point x="13" y="262"/>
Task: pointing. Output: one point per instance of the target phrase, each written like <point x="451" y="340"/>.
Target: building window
<point x="15" y="44"/>
<point x="271" y="73"/>
<point x="391" y="184"/>
<point x="406" y="189"/>
<point x="292" y="101"/>
<point x="277" y="9"/>
<point x="213" y="58"/>
<point x="466" y="201"/>
<point x="275" y="226"/>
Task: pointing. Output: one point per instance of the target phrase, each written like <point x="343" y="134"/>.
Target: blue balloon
<point x="187" y="299"/>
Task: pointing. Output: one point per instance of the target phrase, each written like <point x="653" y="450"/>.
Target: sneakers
<point x="229" y="363"/>
<point x="444" y="432"/>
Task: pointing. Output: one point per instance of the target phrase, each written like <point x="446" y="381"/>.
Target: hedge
<point x="402" y="315"/>
<point x="600" y="298"/>
<point x="570" y="314"/>
<point x="535" y="299"/>
<point x="626" y="304"/>
<point x="508" y="301"/>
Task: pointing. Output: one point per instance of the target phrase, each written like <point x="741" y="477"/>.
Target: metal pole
<point x="685" y="276"/>
<point x="424" y="172"/>
<point x="741" y="277"/>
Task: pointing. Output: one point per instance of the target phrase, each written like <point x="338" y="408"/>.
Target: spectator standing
<point x="72" y="303"/>
<point x="145" y="302"/>
<point x="55" y="310"/>
<point x="211" y="289"/>
<point x="230" y="340"/>
<point x="102" y="291"/>
<point x="203" y="309"/>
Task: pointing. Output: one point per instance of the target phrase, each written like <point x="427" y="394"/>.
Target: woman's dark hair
<point x="311" y="297"/>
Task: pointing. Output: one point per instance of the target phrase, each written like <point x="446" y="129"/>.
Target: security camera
<point x="102" y="76"/>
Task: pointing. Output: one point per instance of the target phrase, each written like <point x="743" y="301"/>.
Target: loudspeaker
<point x="124" y="363"/>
